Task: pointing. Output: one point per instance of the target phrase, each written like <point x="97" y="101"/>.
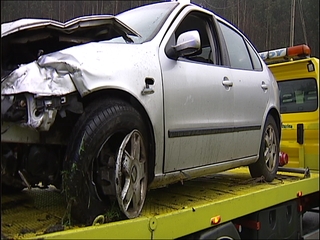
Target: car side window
<point x="237" y="49"/>
<point x="199" y="22"/>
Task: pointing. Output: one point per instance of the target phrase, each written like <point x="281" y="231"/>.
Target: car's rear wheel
<point x="267" y="164"/>
<point x="106" y="153"/>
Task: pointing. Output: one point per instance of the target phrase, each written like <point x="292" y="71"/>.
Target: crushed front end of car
<point x="42" y="83"/>
<point x="38" y="79"/>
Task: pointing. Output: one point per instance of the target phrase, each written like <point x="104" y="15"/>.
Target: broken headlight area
<point x="37" y="112"/>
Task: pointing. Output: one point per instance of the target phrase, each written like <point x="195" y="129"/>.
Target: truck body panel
<point x="299" y="110"/>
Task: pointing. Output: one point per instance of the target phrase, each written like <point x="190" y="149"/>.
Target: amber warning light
<point x="289" y="52"/>
<point x="215" y="220"/>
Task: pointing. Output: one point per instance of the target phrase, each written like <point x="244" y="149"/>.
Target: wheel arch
<point x="127" y="97"/>
<point x="277" y="118"/>
<point x="267" y="162"/>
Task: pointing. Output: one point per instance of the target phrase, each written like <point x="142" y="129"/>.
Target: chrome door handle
<point x="226" y="82"/>
<point x="264" y="86"/>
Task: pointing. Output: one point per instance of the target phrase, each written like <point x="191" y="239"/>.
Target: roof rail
<point x="286" y="54"/>
<point x="182" y="1"/>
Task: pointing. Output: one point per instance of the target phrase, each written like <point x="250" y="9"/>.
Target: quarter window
<point x="255" y="59"/>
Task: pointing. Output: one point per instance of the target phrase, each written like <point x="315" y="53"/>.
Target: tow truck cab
<point x="297" y="75"/>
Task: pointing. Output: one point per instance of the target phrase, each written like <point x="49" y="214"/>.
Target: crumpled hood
<point x="24" y="40"/>
<point x="68" y="27"/>
<point x="46" y="57"/>
<point x="85" y="68"/>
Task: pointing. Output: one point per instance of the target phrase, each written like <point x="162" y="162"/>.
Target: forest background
<point x="267" y="23"/>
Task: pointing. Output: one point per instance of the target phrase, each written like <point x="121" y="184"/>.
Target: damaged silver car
<point x="107" y="107"/>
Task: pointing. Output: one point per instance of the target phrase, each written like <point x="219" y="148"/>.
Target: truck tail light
<point x="283" y="159"/>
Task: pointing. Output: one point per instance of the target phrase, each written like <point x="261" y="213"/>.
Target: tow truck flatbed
<point x="170" y="212"/>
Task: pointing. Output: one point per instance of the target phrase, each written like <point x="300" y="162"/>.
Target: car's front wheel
<point x="267" y="164"/>
<point x="131" y="174"/>
<point x="106" y="161"/>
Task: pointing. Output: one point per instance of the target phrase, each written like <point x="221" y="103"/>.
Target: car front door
<point x="198" y="101"/>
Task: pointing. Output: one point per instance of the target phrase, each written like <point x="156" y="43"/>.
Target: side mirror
<point x="187" y="44"/>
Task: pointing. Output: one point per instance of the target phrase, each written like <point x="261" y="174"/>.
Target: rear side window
<point x="300" y="95"/>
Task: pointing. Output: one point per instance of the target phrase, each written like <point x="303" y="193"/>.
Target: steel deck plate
<point x="187" y="206"/>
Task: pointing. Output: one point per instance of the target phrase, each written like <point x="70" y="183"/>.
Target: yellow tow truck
<point x="298" y="79"/>
<point x="226" y="205"/>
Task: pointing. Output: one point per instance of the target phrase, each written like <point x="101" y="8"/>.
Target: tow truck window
<point x="300" y="95"/>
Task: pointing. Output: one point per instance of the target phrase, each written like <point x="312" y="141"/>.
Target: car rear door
<point x="251" y="93"/>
